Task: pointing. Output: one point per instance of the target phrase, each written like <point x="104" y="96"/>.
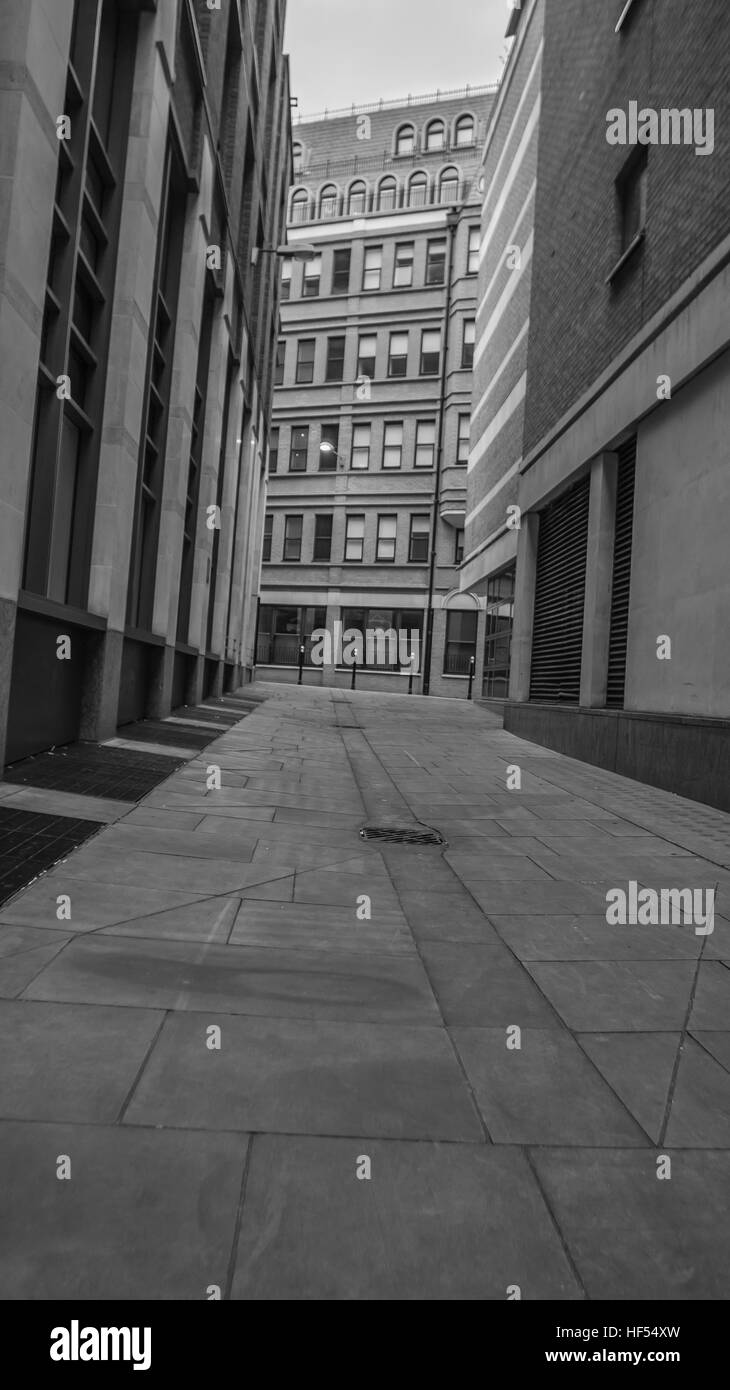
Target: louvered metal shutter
<point x="557" y="637"/>
<point x="621" y="586"/>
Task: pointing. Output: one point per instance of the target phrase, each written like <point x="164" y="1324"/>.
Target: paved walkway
<point x="251" y="1009"/>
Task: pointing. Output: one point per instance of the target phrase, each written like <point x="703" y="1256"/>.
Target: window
<point x="286" y="273"/>
<point x="405" y="140"/>
<point x="393" y="445"/>
<point x="417" y="191"/>
<point x="436" y="263"/>
<point x="330" y="435"/>
<point x="305" y="361"/>
<point x="425" y="443"/>
<point x="398" y="355"/>
<point x="472" y="256"/>
<point x="462" y="446"/>
<point x="280" y="362"/>
<point x="341" y="271"/>
<point x="372" y="267"/>
<point x="498" y="634"/>
<point x="435" y="136"/>
<point x="403" y="272"/>
<point x="461" y="642"/>
<point x="300" y="206"/>
<point x="387" y="533"/>
<point x="299" y="449"/>
<point x="292" y="539"/>
<point x="356" y="199"/>
<point x="467" y="343"/>
<point x="274" y="451"/>
<point x="419" y="540"/>
<point x="268" y="532"/>
<point x="631" y="188"/>
<point x="465" y="130"/>
<point x="312" y="276"/>
<point x="298" y="156"/>
<point x="360" y="447"/>
<point x="354" y="538"/>
<point x="391" y="637"/>
<point x="430" y="351"/>
<point x="322" y="537"/>
<point x="281" y="632"/>
<point x="387" y="195"/>
<point x="449" y="186"/>
<point x="328" y="202"/>
<point x="459" y="546"/>
<point x="366" y="355"/>
<point x="335" y="366"/>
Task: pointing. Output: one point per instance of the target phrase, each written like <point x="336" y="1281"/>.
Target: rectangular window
<point x="472" y="258"/>
<point x="430" y="351"/>
<point x="403" y="272"/>
<point x="361" y="446"/>
<point x="274" y="451"/>
<point x="498" y="634"/>
<point x="341" y="271"/>
<point x="322" y="537"/>
<point x="462" y="446"/>
<point x="286" y="274"/>
<point x="335" y="368"/>
<point x="268" y="533"/>
<point x="393" y="445"/>
<point x="282" y="631"/>
<point x="366" y="355"/>
<point x="387" y="534"/>
<point x="299" y="449"/>
<point x="329" y="445"/>
<point x="372" y="267"/>
<point x="305" y="361"/>
<point x="280" y="362"/>
<point x="354" y="538"/>
<point x="419" y="540"/>
<point x="398" y="355"/>
<point x="292" y="538"/>
<point x="392" y="637"/>
<point x="631" y="189"/>
<point x="312" y="277"/>
<point x="425" y="443"/>
<point x="467" y="343"/>
<point x="461" y="641"/>
<point x="459" y="546"/>
<point x="436" y="262"/>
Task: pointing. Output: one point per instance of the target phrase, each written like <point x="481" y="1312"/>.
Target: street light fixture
<point x="329" y="449"/>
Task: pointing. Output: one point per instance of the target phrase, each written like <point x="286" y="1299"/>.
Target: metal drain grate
<point x="394" y="836"/>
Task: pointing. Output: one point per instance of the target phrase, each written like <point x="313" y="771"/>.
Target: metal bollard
<point x="301" y="665"/>
<point x="472" y="664"/>
<point x="354" y="674"/>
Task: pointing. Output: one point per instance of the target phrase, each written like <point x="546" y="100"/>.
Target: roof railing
<point x="456" y="93"/>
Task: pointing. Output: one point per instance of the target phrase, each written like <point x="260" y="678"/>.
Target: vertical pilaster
<point x="599" y="571"/>
<point x="519" y="686"/>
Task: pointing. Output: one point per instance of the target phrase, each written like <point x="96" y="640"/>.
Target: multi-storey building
<point x="146" y="157"/>
<point x="602" y="398"/>
<point x="367" y="471"/>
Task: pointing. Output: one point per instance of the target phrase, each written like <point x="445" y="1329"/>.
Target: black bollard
<point x="472" y="664"/>
<point x="301" y="665"/>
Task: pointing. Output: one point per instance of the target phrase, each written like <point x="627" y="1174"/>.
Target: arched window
<point x="356" y="199"/>
<point x="298" y="153"/>
<point x="417" y="191"/>
<point x="300" y="206"/>
<point x="449" y="186"/>
<point x="465" y="130"/>
<point x="387" y="195"/>
<point x="435" y="135"/>
<point x="328" y="201"/>
<point x="405" y="140"/>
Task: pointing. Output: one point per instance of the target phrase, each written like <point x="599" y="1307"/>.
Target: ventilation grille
<point x="557" y="637"/>
<point x="394" y="836"/>
<point x="621" y="587"/>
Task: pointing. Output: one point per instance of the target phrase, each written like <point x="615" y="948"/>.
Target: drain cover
<point x="394" y="836"/>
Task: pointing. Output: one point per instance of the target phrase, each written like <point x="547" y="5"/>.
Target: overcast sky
<point x="345" y="51"/>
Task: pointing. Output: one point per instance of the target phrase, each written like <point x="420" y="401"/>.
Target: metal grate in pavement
<point x="395" y="836"/>
<point x="31" y="842"/>
<point x="88" y="769"/>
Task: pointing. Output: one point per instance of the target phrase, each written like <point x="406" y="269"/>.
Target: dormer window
<point x="465" y="130"/>
<point x="405" y="140"/>
<point x="435" y="136"/>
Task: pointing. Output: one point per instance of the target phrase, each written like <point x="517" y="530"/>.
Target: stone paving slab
<point x="435" y="1222"/>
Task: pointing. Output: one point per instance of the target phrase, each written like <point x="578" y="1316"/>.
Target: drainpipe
<point x="452" y="222"/>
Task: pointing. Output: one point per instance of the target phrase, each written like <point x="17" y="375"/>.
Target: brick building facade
<point x="147" y="153"/>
